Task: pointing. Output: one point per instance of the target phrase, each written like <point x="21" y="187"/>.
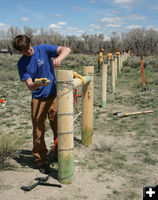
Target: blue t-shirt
<point x="39" y="65"/>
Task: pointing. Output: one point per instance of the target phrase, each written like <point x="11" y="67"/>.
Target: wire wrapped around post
<point x="65" y="126"/>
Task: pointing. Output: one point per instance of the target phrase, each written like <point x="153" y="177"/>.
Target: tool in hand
<point x="42" y="81"/>
<point x="120" y="114"/>
<point x="40" y="181"/>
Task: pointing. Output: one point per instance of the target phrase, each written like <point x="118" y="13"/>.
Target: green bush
<point x="77" y="61"/>
<point x="150" y="62"/>
<point x="9" y="146"/>
<point x="125" y="63"/>
<point x="126" y="69"/>
<point x="134" y="62"/>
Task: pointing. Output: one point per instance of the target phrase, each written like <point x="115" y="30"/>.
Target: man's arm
<point x="62" y="52"/>
<point x="31" y="85"/>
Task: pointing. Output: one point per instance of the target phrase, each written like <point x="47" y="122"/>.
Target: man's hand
<point x="57" y="62"/>
<point x="62" y="53"/>
<point x="42" y="81"/>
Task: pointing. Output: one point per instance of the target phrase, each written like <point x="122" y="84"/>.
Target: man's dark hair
<point x="21" y="42"/>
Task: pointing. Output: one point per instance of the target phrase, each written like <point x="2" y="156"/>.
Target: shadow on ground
<point x="26" y="159"/>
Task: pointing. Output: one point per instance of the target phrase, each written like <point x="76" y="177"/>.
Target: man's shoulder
<point x="44" y="45"/>
<point x="22" y="59"/>
<point x="46" y="48"/>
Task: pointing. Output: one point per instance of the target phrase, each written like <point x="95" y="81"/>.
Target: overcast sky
<point x="80" y="16"/>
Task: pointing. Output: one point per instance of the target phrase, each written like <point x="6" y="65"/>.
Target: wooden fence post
<point x="87" y="107"/>
<point x="104" y="86"/>
<point x="119" y="64"/>
<point x="113" y="76"/>
<point x="115" y="68"/>
<point x="65" y="125"/>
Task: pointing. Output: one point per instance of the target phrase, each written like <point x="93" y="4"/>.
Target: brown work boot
<point x="44" y="168"/>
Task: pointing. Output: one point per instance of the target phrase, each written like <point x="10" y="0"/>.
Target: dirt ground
<point x="120" y="161"/>
<point x="84" y="185"/>
<point x="90" y="182"/>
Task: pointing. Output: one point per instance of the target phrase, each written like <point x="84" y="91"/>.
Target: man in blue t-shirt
<point x="36" y="63"/>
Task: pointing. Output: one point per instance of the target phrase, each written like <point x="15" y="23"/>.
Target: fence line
<point x="116" y="66"/>
<point x="65" y="86"/>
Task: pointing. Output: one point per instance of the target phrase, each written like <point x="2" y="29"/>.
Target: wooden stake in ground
<point x="65" y="126"/>
<point x="113" y="76"/>
<point x="115" y="61"/>
<point x="104" y="85"/>
<point x="119" y="64"/>
<point x="121" y="56"/>
<point x="144" y="88"/>
<point x="87" y="107"/>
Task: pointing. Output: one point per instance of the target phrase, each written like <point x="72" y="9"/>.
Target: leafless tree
<point x="93" y="42"/>
<point x="139" y="40"/>
<point x="152" y="41"/>
<point x="29" y="31"/>
<point x="115" y="40"/>
<point x="13" y="32"/>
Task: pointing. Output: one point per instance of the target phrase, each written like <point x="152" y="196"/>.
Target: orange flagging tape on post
<point x="75" y="98"/>
<point x="144" y="88"/>
<point x="55" y="143"/>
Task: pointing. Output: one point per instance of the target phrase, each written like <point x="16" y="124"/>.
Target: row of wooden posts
<point x="65" y="86"/>
<point x="116" y="65"/>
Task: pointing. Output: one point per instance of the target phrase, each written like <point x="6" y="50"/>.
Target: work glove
<point x="42" y="81"/>
<point x="76" y="75"/>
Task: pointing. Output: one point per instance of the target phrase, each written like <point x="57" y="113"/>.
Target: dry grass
<point x="9" y="146"/>
<point x="123" y="156"/>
